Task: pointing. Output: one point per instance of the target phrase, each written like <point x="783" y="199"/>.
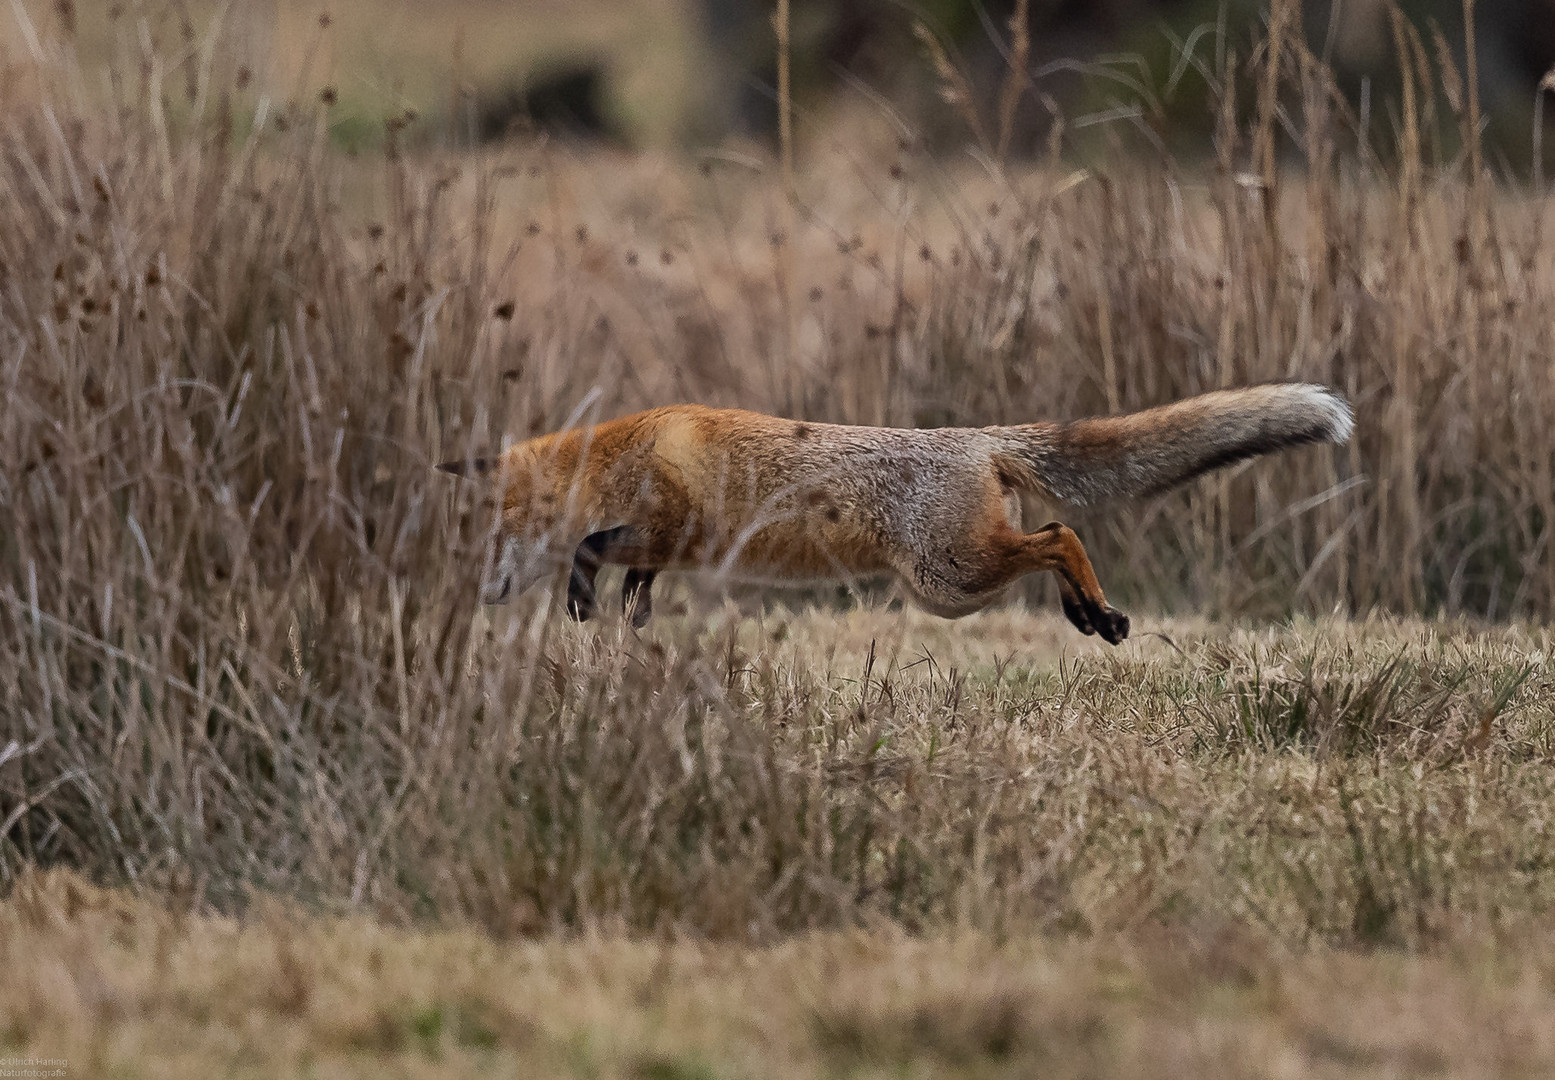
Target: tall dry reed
<point x="237" y="619"/>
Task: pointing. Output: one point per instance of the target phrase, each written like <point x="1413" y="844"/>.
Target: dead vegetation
<point x="238" y="633"/>
<point x="106" y="985"/>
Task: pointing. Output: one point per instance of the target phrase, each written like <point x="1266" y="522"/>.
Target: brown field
<point x="123" y="988"/>
<point x="276" y="796"/>
<point x="1318" y="851"/>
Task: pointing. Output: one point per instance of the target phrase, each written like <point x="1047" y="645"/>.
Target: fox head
<point x="533" y="522"/>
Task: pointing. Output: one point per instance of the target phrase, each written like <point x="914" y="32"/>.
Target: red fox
<point x="766" y="499"/>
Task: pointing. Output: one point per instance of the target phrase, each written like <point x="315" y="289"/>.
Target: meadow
<point x="277" y="795"/>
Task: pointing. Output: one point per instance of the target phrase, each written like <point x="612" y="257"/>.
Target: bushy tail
<point x="1148" y="452"/>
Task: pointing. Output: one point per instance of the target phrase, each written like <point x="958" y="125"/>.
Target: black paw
<point x="580" y="600"/>
<point x="1089" y="618"/>
<point x="1110" y="623"/>
<point x="641" y="613"/>
<point x="1075" y="612"/>
<point x="637" y="596"/>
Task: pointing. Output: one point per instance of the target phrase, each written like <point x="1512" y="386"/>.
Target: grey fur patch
<point x="1149" y="452"/>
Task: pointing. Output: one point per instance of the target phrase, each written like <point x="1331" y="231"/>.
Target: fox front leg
<point x="637" y="595"/>
<point x="581" y="597"/>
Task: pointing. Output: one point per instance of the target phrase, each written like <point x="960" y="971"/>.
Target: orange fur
<point x="762" y="498"/>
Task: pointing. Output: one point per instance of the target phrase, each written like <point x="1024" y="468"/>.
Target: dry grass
<point x="243" y="660"/>
<point x="112" y="986"/>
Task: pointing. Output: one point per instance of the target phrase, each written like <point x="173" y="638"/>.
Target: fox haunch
<point x="771" y="500"/>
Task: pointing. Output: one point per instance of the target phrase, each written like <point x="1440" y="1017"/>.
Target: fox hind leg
<point x="966" y="578"/>
<point x="1056" y="546"/>
<point x="1074" y="607"/>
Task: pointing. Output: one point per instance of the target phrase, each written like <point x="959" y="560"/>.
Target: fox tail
<point x="1148" y="452"/>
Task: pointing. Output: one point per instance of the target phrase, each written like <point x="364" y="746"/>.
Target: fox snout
<point x="515" y="567"/>
<point x="496" y="590"/>
<point x="497" y="576"/>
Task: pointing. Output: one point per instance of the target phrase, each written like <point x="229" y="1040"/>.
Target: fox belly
<point x="764" y="499"/>
<point x="791" y="552"/>
<point x="793" y="540"/>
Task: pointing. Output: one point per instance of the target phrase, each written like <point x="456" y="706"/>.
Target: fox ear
<point x="469" y="466"/>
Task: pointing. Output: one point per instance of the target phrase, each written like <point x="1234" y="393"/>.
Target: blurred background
<point x="262" y="263"/>
<point x="696" y="73"/>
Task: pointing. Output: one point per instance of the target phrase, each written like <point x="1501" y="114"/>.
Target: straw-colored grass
<point x="107" y="986"/>
<point x="243" y="663"/>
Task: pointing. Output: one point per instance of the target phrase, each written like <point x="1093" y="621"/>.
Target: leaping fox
<point x="767" y="499"/>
